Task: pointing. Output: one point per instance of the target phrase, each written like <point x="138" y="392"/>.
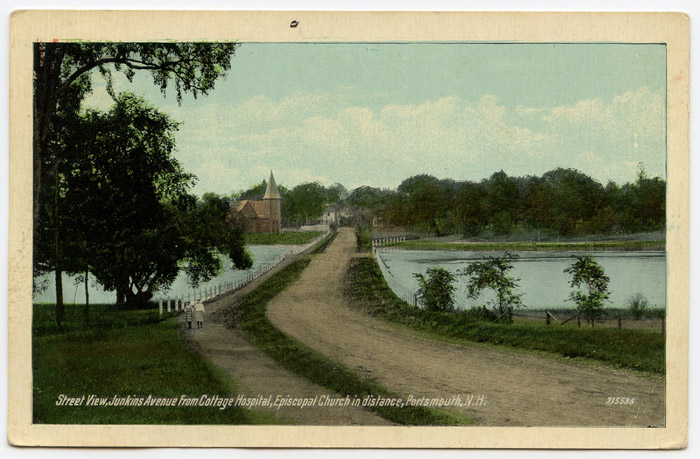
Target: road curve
<point x="518" y="388"/>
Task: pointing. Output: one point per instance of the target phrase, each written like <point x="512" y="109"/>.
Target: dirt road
<point x="519" y="389"/>
<point x="258" y="375"/>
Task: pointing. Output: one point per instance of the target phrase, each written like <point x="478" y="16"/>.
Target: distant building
<point x="329" y="216"/>
<point x="264" y="216"/>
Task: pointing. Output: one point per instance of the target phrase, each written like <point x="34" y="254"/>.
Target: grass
<point x="281" y="238"/>
<point x="140" y="359"/>
<point x="364" y="238"/>
<point x="99" y="317"/>
<point x="651" y="313"/>
<point x="251" y="315"/>
<point x="325" y="243"/>
<point x="591" y="245"/>
<point x="641" y="350"/>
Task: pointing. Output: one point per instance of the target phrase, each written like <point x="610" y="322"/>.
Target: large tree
<point x="131" y="208"/>
<point x="62" y="79"/>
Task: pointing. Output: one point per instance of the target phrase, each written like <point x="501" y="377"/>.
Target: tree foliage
<point x="127" y="215"/>
<point x="436" y="289"/>
<point x="62" y="79"/>
<point x="560" y="202"/>
<point x="492" y="273"/>
<point x="586" y="273"/>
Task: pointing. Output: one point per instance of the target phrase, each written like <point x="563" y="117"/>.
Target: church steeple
<point x="271" y="191"/>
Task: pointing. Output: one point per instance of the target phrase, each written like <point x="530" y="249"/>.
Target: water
<point x="262" y="255"/>
<point x="542" y="277"/>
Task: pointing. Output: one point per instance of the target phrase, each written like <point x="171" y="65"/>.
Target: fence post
<point x="169" y="310"/>
<point x="160" y="307"/>
<point x="546" y="318"/>
<point x="619" y="321"/>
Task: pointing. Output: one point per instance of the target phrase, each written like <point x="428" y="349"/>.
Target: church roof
<point x="252" y="209"/>
<point x="271" y="192"/>
<point x="262" y="208"/>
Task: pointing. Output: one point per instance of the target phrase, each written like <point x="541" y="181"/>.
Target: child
<point x="189" y="314"/>
<point x="199" y="314"/>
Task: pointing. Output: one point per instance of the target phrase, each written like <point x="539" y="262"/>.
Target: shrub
<point x="492" y="274"/>
<point x="436" y="290"/>
<point x="587" y="273"/>
<point x="638" y="305"/>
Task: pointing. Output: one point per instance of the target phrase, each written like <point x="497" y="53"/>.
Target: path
<point x="258" y="375"/>
<point x="520" y="389"/>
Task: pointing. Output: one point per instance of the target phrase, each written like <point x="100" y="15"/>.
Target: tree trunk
<point x="121" y="296"/>
<point x="86" y="311"/>
<point x="87" y="294"/>
<point x="58" y="271"/>
<point x="60" y="309"/>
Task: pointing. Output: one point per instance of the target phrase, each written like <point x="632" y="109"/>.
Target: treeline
<point x="302" y="204"/>
<point x="561" y="201"/>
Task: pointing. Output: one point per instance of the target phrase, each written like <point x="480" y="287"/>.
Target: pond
<point x="72" y="293"/>
<point x="543" y="281"/>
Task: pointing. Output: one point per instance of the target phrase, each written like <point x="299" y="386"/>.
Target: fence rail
<point x="178" y="302"/>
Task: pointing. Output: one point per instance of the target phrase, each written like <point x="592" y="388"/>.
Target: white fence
<point x="407" y="294"/>
<point x="178" y="303"/>
<point x="387" y="241"/>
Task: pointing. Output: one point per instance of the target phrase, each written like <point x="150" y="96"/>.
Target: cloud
<point x="346" y="136"/>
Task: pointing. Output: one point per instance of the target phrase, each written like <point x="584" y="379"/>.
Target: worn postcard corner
<point x="348" y="229"/>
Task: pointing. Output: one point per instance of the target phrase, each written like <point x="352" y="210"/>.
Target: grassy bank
<point x="251" y="315"/>
<point x="281" y="238"/>
<point x="585" y="246"/>
<point x="641" y="350"/>
<point x="138" y="359"/>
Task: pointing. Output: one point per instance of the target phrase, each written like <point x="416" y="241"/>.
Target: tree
<point x="492" y="273"/>
<point x="62" y="80"/>
<point x="501" y="201"/>
<point x="574" y="198"/>
<point x="587" y="273"/>
<point x="436" y="289"/>
<point x="140" y="224"/>
<point x="212" y="233"/>
<point x="428" y="201"/>
<point x="470" y="208"/>
<point x="304" y="203"/>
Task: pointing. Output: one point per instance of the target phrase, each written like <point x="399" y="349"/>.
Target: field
<point x="281" y="238"/>
<point x="131" y="354"/>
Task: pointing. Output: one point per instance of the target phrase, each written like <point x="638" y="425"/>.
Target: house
<point x="329" y="216"/>
<point x="263" y="216"/>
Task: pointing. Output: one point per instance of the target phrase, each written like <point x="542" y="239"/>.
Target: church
<point x="264" y="216"/>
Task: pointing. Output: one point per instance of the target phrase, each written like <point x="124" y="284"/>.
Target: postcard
<point x="349" y="229"/>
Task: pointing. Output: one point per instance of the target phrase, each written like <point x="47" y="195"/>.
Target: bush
<point x="638" y="305"/>
<point x="436" y="290"/>
<point x="587" y="273"/>
<point x="492" y="274"/>
<point x="364" y="237"/>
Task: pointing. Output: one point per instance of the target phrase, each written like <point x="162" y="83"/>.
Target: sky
<point x="377" y="113"/>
